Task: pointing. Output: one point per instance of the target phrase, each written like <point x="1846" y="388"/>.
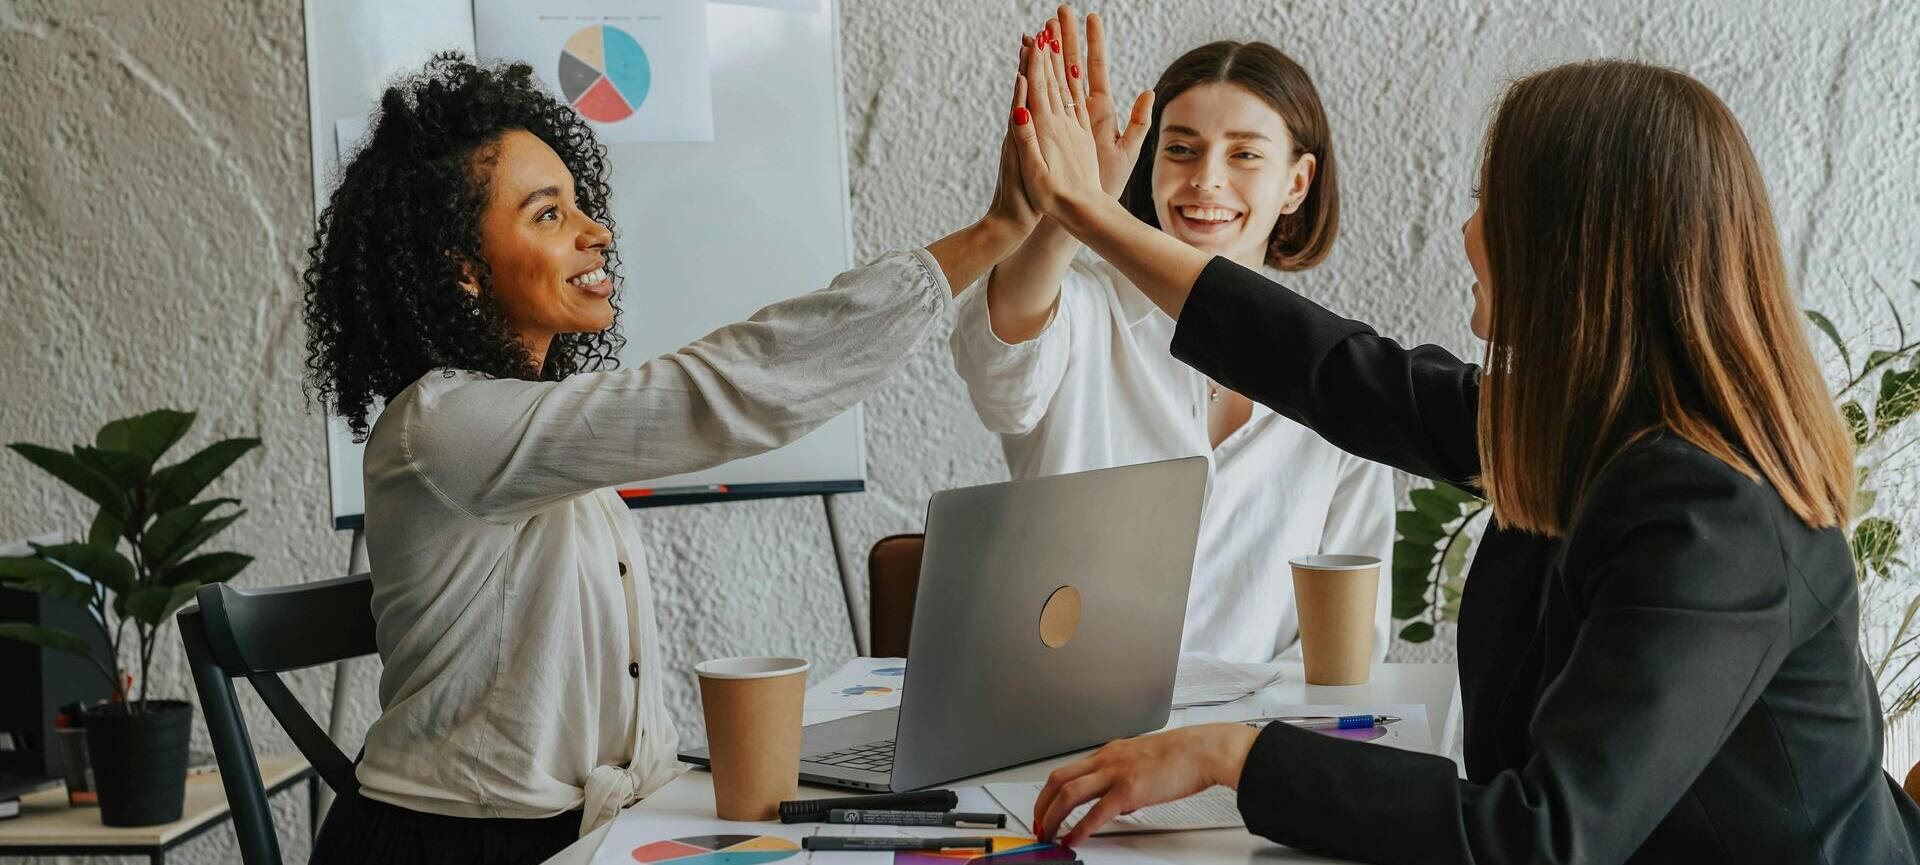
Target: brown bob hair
<point x="1638" y="286"/>
<point x="1300" y="239"/>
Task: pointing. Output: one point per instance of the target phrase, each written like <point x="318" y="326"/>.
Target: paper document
<point x="686" y="833"/>
<point x="860" y="685"/>
<point x="1204" y="680"/>
<point x="1410" y="733"/>
<point x="1215" y="808"/>
<point x="637" y="70"/>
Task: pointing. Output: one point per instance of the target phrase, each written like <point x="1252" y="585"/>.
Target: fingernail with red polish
<point x="1074" y="70"/>
<point x="1020" y="115"/>
<point x="1056" y="46"/>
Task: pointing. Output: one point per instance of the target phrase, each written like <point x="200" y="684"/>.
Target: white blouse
<point x="514" y="612"/>
<point x="1098" y="387"/>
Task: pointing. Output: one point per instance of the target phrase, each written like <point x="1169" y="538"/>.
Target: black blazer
<point x="1678" y="679"/>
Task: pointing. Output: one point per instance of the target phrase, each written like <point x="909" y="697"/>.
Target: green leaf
<point x="70" y="470"/>
<point x="179" y="483"/>
<point x="1875" y="359"/>
<point x="154" y="604"/>
<point x="39" y="575"/>
<point x="1434" y="506"/>
<point x="1826" y="327"/>
<point x="47" y="637"/>
<point x="1856" y="420"/>
<point x="210" y="568"/>
<point x="125" y="470"/>
<point x="1864" y="500"/>
<point x="145" y="436"/>
<point x="1875" y="541"/>
<point x="1454" y="562"/>
<point x="104" y="565"/>
<point x="1418" y="632"/>
<point x="1417" y="528"/>
<point x="199" y="535"/>
<point x="1456" y="493"/>
<point x="1899" y="396"/>
<point x="106" y="530"/>
<point x="171" y="528"/>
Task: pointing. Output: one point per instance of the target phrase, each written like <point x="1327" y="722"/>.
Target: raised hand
<point x="1010" y="204"/>
<point x="1118" y="147"/>
<point x="1058" y="162"/>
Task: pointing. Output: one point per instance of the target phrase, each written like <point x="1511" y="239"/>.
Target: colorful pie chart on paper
<point x="604" y="73"/>
<point x="718" y="850"/>
<point x="866" y="691"/>
<point x="1006" y="851"/>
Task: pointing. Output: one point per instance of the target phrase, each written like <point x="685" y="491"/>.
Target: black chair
<point x="258" y="634"/>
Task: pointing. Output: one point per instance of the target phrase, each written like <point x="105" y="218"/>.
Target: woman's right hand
<point x="1059" y="164"/>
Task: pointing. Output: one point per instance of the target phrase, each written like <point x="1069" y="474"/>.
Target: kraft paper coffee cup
<point x="752" y="707"/>
<point x="1335" y="596"/>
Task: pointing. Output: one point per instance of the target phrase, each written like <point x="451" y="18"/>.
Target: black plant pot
<point x="139" y="761"/>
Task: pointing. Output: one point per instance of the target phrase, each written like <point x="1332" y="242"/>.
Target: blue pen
<point x="1338" y="722"/>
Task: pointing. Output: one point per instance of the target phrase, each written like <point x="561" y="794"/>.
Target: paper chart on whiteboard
<point x="637" y="70"/>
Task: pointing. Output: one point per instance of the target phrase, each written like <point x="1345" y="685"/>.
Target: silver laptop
<point x="1047" y="620"/>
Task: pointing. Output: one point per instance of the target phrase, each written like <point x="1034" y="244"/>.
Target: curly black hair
<point x="384" y="299"/>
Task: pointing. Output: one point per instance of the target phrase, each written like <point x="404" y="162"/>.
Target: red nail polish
<point x="1020" y="115"/>
<point x="1056" y="47"/>
<point x="1074" y="70"/>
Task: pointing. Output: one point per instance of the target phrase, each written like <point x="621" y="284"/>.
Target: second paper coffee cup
<point x="1335" y="596"/>
<point x="752" y="708"/>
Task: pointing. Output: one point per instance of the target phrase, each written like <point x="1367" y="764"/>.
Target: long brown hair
<point x="1300" y="239"/>
<point x="1637" y="286"/>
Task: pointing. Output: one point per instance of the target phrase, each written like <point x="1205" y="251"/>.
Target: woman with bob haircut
<point x="1659" y="652"/>
<point x="463" y="277"/>
<point x="1068" y="362"/>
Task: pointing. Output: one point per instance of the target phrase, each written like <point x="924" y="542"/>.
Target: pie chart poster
<point x="636" y="69"/>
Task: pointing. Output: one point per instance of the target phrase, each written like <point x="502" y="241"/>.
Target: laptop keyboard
<point x="873" y="756"/>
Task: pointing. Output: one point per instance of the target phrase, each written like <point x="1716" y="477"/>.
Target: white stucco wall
<point x="154" y="210"/>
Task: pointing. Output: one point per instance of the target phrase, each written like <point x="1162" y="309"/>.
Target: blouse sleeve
<point x="1686" y="596"/>
<point x="1012" y="384"/>
<point x="503" y="449"/>
<point x="1413" y="409"/>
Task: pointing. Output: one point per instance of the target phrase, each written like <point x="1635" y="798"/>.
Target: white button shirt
<point x="1098" y="387"/>
<point x="513" y="610"/>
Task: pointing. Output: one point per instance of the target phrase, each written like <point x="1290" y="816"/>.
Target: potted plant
<point x="138" y="745"/>
<point x="1436" y="534"/>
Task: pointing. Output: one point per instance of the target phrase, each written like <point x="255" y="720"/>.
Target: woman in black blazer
<point x="1658" y="649"/>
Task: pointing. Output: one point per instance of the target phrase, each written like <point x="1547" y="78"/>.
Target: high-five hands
<point x="1053" y="130"/>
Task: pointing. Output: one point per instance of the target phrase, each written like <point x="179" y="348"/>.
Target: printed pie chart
<point x="866" y="691"/>
<point x="604" y="73"/>
<point x="717" y="850"/>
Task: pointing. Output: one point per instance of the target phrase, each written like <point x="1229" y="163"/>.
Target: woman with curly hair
<point x="462" y="277"/>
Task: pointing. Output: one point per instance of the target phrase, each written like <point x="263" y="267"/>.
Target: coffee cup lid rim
<point x="777" y="666"/>
<point x="1335" y="562"/>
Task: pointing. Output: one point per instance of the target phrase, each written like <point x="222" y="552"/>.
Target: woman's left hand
<point x="1129" y="774"/>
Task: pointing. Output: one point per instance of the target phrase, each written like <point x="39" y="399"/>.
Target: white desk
<point x="1434" y="685"/>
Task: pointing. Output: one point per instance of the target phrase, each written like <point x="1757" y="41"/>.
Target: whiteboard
<point x="708" y="232"/>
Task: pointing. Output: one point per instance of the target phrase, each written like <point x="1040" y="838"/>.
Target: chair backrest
<point x="258" y="634"/>
<point x="893" y="578"/>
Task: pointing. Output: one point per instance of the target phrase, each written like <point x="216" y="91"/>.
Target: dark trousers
<point x="360" y="830"/>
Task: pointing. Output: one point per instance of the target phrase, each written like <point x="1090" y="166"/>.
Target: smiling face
<point x="1225" y="171"/>
<point x="545" y="256"/>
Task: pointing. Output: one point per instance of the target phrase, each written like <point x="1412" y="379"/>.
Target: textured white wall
<point x="154" y="211"/>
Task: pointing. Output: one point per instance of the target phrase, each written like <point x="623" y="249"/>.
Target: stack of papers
<point x="1216" y="808"/>
<point x="1204" y="680"/>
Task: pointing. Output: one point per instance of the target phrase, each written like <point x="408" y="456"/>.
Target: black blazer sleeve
<point x="1412" y="409"/>
<point x="1676" y="569"/>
